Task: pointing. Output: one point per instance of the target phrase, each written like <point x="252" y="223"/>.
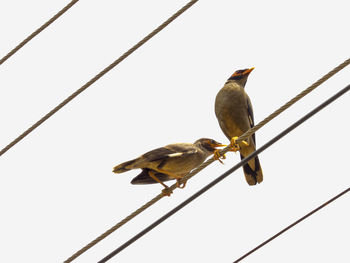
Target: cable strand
<point x="294" y="100"/>
<point x="112" y="229"/>
<point x="39" y="30"/>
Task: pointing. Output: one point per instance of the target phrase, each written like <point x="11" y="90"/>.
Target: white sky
<point x="57" y="190"/>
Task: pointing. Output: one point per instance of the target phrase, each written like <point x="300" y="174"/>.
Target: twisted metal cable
<point x="98" y="76"/>
<point x="184" y="179"/>
<point x="114" y="228"/>
<point x="228" y="172"/>
<point x="39" y="30"/>
<point x="250" y="132"/>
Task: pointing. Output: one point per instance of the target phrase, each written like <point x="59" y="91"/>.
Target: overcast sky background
<point x="57" y="188"/>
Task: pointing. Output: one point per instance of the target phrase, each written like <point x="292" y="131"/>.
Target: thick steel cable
<point x="98" y="76"/>
<point x="291" y="225"/>
<point x="227" y="173"/>
<point x="188" y="176"/>
<point x="39" y="30"/>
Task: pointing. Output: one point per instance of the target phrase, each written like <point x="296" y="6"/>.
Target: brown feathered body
<point x="172" y="161"/>
<point x="234" y="112"/>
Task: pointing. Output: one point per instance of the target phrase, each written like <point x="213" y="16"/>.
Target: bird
<point x="234" y="112"/>
<point x="170" y="162"/>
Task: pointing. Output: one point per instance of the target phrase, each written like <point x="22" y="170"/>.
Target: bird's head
<point x="208" y="144"/>
<point x="241" y="75"/>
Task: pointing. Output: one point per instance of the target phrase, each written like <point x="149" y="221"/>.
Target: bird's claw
<point x="235" y="146"/>
<point x="180" y="184"/>
<point x="218" y="156"/>
<point x="167" y="191"/>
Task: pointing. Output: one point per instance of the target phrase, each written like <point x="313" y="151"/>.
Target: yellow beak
<point x="219" y="145"/>
<point x="248" y="71"/>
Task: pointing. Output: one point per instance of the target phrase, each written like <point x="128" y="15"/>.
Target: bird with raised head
<point x="234" y="112"/>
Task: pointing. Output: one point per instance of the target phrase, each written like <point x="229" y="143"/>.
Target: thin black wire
<point x="291" y="225"/>
<point x="224" y="175"/>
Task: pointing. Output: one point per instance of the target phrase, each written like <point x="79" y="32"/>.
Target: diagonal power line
<point x="291" y="225"/>
<point x="205" y="164"/>
<point x="227" y="173"/>
<point x="98" y="76"/>
<point x="39" y="30"/>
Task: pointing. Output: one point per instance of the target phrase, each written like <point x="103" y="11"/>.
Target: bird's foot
<point x="236" y="146"/>
<point x="167" y="191"/>
<point x="180" y="184"/>
<point x="218" y="156"/>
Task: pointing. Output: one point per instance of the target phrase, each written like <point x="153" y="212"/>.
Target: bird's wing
<point x="144" y="178"/>
<point x="250" y="116"/>
<point x="169" y="151"/>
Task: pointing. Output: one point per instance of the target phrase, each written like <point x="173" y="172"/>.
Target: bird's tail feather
<point x="253" y="176"/>
<point x="124" y="167"/>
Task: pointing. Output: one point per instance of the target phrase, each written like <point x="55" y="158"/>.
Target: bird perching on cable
<point x="170" y="162"/>
<point x="234" y="112"/>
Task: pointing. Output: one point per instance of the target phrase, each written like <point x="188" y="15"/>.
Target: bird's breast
<point x="231" y="97"/>
<point x="231" y="110"/>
